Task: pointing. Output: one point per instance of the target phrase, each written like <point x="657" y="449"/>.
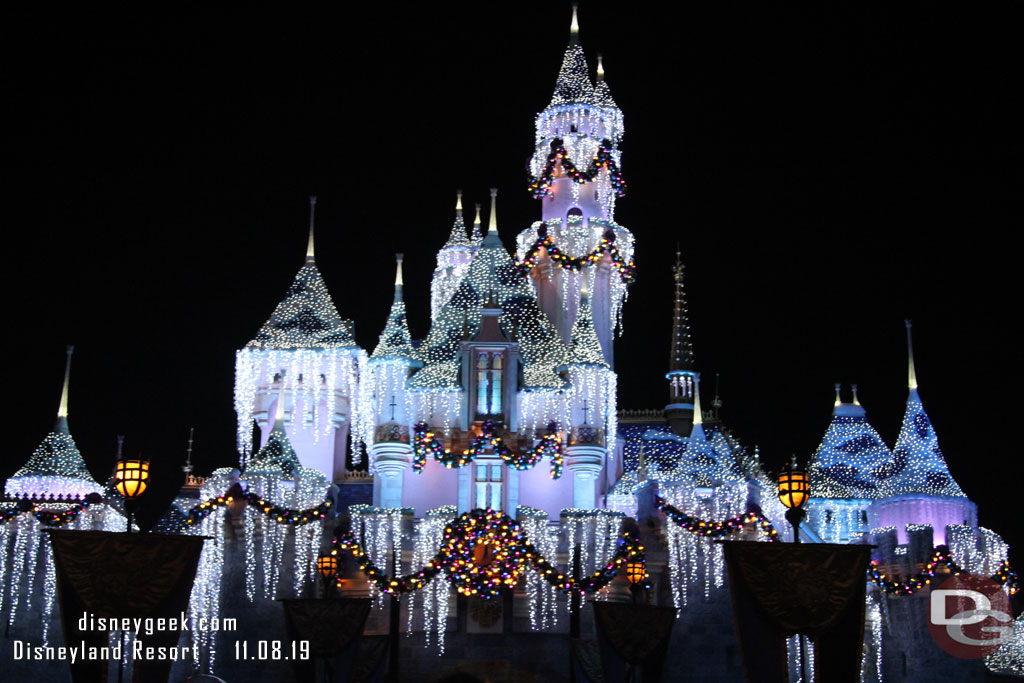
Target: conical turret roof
<point x="395" y="341"/>
<point x="307" y="317"/>
<point x="917" y="464"/>
<point x="573" y="83"/>
<point x="602" y="96"/>
<point x="851" y="451"/>
<point x="56" y="467"/>
<point x="458" y="236"/>
<point x="585" y="347"/>
<point x="277" y="457"/>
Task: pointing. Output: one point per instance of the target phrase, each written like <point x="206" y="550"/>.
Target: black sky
<point x="827" y="172"/>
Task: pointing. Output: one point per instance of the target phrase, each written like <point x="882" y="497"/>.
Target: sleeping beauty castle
<point x="506" y="410"/>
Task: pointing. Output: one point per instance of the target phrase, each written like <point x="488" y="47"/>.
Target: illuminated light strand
<point x="426" y="443"/>
<point x="511" y="547"/>
<point x="279" y="513"/>
<point x="726" y="527"/>
<point x="1004" y="576"/>
<point x="626" y="268"/>
<point x="540" y="185"/>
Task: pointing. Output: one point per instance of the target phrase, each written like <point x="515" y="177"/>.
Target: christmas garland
<point x="541" y="185"/>
<point x="49" y="517"/>
<point x="1004" y="576"/>
<point x="279" y="514"/>
<point x="716" y="529"/>
<point x="627" y="270"/>
<point x="483" y="554"/>
<point x="426" y="443"/>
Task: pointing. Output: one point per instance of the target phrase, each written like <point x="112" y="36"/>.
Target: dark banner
<point x="632" y="640"/>
<point x="780" y="589"/>
<point x="333" y="629"/>
<point x="103" y="575"/>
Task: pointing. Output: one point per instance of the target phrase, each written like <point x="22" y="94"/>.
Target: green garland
<point x="49" y="517"/>
<point x="541" y="185"/>
<point x="425" y="443"/>
<point x="279" y="514"/>
<point x="627" y="270"/>
<point x="512" y="550"/>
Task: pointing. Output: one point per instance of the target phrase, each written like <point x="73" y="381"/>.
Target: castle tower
<point x="388" y="401"/>
<point x="490" y="355"/>
<point x="306" y="340"/>
<point x="842" y="472"/>
<point x="592" y="415"/>
<point x="56" y="467"/>
<point x="916" y="483"/>
<point x="575" y="168"/>
<point x="452" y="261"/>
<point x="682" y="380"/>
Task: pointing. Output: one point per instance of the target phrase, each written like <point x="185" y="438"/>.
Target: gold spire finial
<point x="312" y="218"/>
<point x="62" y="411"/>
<point x="839" y="401"/>
<point x="458" y="202"/>
<point x="911" y="372"/>
<point x="398" y="269"/>
<point x="856" y="401"/>
<point x="600" y="68"/>
<point x="493" y="225"/>
<point x="574" y="27"/>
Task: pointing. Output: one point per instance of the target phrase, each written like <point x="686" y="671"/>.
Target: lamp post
<point x="131" y="478"/>
<point x="327" y="568"/>
<point x="794" y="491"/>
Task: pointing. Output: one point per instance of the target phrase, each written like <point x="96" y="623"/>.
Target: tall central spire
<point x="683" y="407"/>
<point x="682" y="347"/>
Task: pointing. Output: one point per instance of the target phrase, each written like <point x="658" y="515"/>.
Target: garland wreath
<point x="1004" y="576"/>
<point x="426" y="442"/>
<point x="279" y="514"/>
<point x="627" y="270"/>
<point x="484" y="553"/>
<point x="716" y="529"/>
<point x="49" y="517"/>
<point x="541" y="185"/>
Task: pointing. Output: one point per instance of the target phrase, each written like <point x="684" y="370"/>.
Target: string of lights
<point x="626" y="268"/>
<point x="1004" y="576"/>
<point x="726" y="527"/>
<point x="484" y="553"/>
<point x="426" y="443"/>
<point x="279" y="513"/>
<point x="540" y="185"/>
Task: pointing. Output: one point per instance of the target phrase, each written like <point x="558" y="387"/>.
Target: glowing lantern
<point x="131" y="477"/>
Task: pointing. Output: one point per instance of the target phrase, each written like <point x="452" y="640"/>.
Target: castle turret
<point x="388" y="400"/>
<point x="452" y="261"/>
<point x="917" y="486"/>
<point x="575" y="168"/>
<point x="56" y="467"/>
<point x="306" y="339"/>
<point x="842" y="472"/>
<point x="682" y="380"/>
<point x="592" y="413"/>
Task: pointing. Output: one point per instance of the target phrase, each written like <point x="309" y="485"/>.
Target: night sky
<point x="827" y="172"/>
